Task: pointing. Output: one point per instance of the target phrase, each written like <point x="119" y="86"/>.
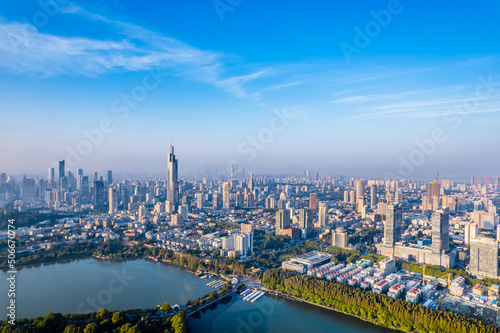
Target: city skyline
<point x="317" y="91"/>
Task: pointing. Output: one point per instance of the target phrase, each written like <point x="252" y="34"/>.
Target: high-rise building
<point x="125" y="198"/>
<point x="470" y="232"/>
<point x="305" y="219"/>
<point x="251" y="183"/>
<point x="360" y="204"/>
<point x="199" y="200"/>
<point x="215" y="201"/>
<point x="110" y="177"/>
<point x="440" y="231"/>
<point x="79" y="176"/>
<point x="339" y="238"/>
<point x="484" y="257"/>
<point x="51" y="176"/>
<point x="61" y="171"/>
<point x="322" y="215"/>
<point x="360" y="189"/>
<point x="99" y="193"/>
<point x="478" y="180"/>
<point x="313" y="201"/>
<point x="373" y="196"/>
<point x="172" y="178"/>
<point x="94" y="177"/>
<point x="282" y="220"/>
<point x="433" y="192"/>
<point x="392" y="230"/>
<point x="225" y="195"/>
<point x="113" y="200"/>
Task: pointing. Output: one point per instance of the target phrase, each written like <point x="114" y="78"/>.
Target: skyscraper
<point x="282" y="220"/>
<point x="110" y="177"/>
<point x="225" y="195"/>
<point x="305" y="219"/>
<point x="99" y="193"/>
<point x="360" y="189"/>
<point x="440" y="231"/>
<point x="322" y="215"/>
<point x="250" y="183"/>
<point x="61" y="171"/>
<point x="313" y="201"/>
<point x="113" y="200"/>
<point x="392" y="230"/>
<point x="373" y="196"/>
<point x="215" y="201"/>
<point x="51" y="177"/>
<point x="484" y="257"/>
<point x="172" y="180"/>
<point x="433" y="191"/>
<point x="199" y="200"/>
<point x="79" y="176"/>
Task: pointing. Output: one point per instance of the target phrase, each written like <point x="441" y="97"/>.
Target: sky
<point x="361" y="88"/>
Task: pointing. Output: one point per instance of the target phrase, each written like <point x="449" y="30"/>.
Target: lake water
<point x="87" y="285"/>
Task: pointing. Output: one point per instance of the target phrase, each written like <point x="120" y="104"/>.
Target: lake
<point x="87" y="285"/>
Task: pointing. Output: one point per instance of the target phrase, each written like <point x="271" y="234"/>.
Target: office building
<point x="373" y="196"/>
<point x="339" y="238"/>
<point x="322" y="215"/>
<point x="360" y="189"/>
<point x="113" y="200"/>
<point x="440" y="231"/>
<point x="226" y="195"/>
<point x="99" y="194"/>
<point x="199" y="200"/>
<point x="392" y="230"/>
<point x="51" y="177"/>
<point x="282" y="220"/>
<point x="305" y="219"/>
<point x="110" y="177"/>
<point x="61" y="171"/>
<point x="484" y="258"/>
<point x="433" y="192"/>
<point x="215" y="201"/>
<point x="313" y="201"/>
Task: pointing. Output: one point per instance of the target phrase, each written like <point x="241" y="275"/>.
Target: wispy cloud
<point x="24" y="49"/>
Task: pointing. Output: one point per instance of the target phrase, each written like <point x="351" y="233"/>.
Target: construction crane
<point x="449" y="278"/>
<point x="423" y="274"/>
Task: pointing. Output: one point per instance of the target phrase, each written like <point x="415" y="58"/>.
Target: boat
<point x="212" y="283"/>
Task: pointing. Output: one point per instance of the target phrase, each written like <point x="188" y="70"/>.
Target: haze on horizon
<point x="272" y="87"/>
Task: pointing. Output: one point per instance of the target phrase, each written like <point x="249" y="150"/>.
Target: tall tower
<point x="172" y="180"/>
<point x="433" y="192"/>
<point x="113" y="200"/>
<point x="110" y="177"/>
<point x="225" y="195"/>
<point x="440" y="231"/>
<point x="392" y="230"/>
<point x="360" y="189"/>
<point x="61" y="171"/>
<point x="282" y="220"/>
<point x="373" y="196"/>
<point x="250" y="183"/>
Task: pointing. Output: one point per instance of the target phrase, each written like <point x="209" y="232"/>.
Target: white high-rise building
<point x="113" y="200"/>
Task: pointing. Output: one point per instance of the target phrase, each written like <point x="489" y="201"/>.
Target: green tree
<point x="118" y="317"/>
<point x="165" y="307"/>
<point x="102" y="314"/>
<point x="90" y="328"/>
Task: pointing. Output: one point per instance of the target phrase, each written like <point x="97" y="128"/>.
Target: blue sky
<point x="215" y="74"/>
